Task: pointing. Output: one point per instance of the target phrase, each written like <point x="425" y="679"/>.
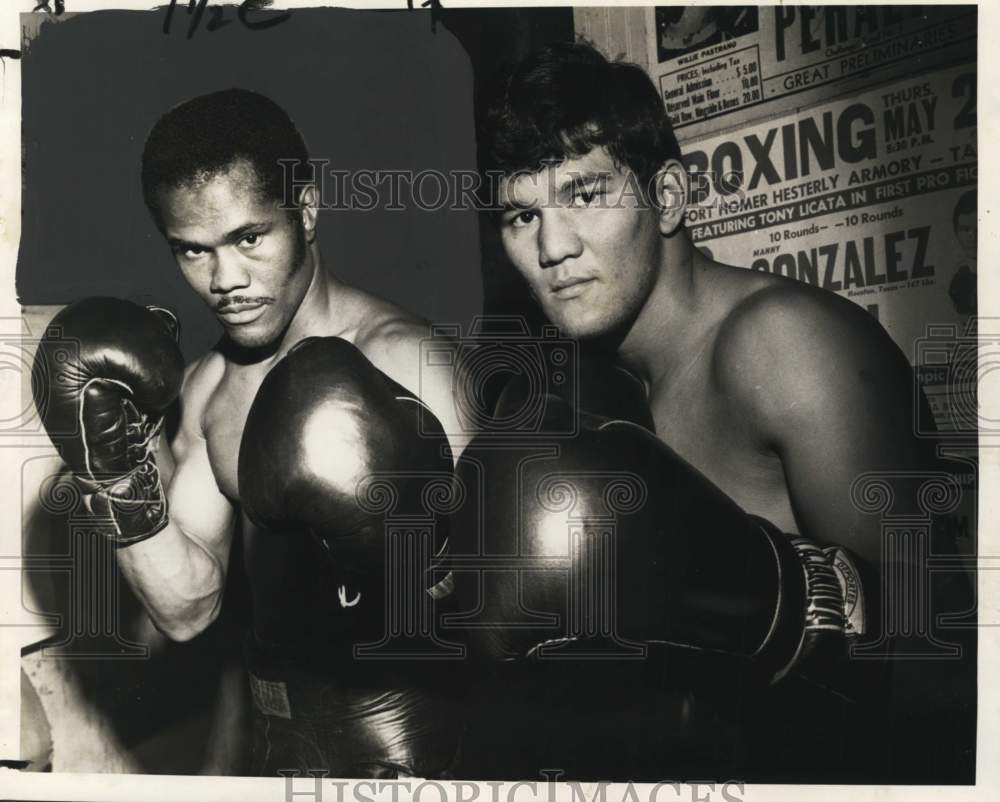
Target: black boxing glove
<point x="609" y="542"/>
<point x="327" y="436"/>
<point x="604" y="390"/>
<point x="104" y="374"/>
<point x="331" y="445"/>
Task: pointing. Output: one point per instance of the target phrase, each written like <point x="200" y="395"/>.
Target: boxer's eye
<point x="251" y="241"/>
<point x="586" y="196"/>
<point x="193" y="253"/>
<point x="522" y="219"/>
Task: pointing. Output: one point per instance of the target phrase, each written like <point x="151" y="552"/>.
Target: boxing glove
<point x="331" y="451"/>
<point x="609" y="543"/>
<point x="603" y="389"/>
<point x="104" y="375"/>
<point x="331" y="444"/>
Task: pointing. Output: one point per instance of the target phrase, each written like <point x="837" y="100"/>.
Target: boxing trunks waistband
<point x="348" y="720"/>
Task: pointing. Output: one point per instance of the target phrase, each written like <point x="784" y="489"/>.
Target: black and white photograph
<point x="470" y="400"/>
<point x="681" y="29"/>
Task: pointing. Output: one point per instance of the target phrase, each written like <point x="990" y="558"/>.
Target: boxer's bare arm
<point x="179" y="573"/>
<point x="827" y="390"/>
<point x="833" y="397"/>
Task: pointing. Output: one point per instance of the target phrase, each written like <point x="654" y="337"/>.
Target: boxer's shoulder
<point x="792" y="319"/>
<point x="391" y="342"/>
<point x="203" y="376"/>
<point x="789" y="344"/>
<point x="396" y="346"/>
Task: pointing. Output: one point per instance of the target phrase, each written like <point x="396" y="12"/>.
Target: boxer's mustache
<point x="231" y="300"/>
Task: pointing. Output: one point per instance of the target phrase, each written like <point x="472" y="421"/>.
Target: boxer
<point x="775" y="393"/>
<point x="341" y="406"/>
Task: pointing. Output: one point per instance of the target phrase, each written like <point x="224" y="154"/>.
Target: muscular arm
<point x="180" y="572"/>
<point x="832" y="396"/>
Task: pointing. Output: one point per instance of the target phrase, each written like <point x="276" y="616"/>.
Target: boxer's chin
<point x="254" y="335"/>
<point x="582" y="323"/>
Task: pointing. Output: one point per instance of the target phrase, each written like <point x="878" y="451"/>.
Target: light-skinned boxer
<point x="776" y="396"/>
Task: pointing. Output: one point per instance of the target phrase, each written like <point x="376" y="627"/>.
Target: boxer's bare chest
<point x="224" y="419"/>
<point x="703" y="426"/>
<point x="225" y="416"/>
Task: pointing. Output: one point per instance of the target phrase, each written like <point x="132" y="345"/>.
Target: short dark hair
<point x="562" y="101"/>
<point x="966" y="205"/>
<point x="205" y="136"/>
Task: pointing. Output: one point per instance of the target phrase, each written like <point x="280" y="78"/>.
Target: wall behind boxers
<point x="367" y="90"/>
<point x="834" y="145"/>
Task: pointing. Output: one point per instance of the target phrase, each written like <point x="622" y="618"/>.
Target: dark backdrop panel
<point x="367" y="90"/>
<point x="495" y="38"/>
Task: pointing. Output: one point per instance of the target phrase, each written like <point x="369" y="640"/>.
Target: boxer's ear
<point x="669" y="192"/>
<point x="308" y="209"/>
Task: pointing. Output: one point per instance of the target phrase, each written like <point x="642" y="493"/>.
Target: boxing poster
<point x="721" y="65"/>
<point x="869" y="197"/>
<point x="873" y="198"/>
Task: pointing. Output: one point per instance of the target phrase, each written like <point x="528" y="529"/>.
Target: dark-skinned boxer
<point x="175" y="507"/>
<point x="779" y="394"/>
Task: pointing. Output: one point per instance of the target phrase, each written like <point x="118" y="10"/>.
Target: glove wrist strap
<point x="834" y="607"/>
<point x="135" y="505"/>
<point x="824" y="622"/>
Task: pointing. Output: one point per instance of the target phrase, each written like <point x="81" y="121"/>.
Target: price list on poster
<point x="707" y="88"/>
<point x="753" y="63"/>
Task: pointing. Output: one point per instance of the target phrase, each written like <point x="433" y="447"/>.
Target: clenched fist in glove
<point x="331" y="443"/>
<point x="104" y="375"/>
<point x="622" y="602"/>
<point x="622" y="544"/>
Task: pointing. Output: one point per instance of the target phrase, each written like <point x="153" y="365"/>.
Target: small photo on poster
<point x="962" y="287"/>
<point x="682" y="29"/>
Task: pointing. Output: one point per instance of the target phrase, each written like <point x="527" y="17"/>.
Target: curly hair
<point x="564" y="100"/>
<point x="203" y="137"/>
